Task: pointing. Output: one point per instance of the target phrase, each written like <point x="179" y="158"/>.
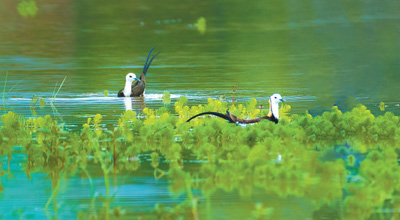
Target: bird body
<point x="273" y="114"/>
<point x="133" y="86"/>
<point x="274" y="101"/>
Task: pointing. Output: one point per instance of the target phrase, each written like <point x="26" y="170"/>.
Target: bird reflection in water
<point x="138" y="103"/>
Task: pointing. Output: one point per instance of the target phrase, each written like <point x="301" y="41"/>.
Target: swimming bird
<point x="273" y="114"/>
<point x="133" y="89"/>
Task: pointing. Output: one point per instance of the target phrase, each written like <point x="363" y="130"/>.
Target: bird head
<point x="276" y="98"/>
<point x="130" y="77"/>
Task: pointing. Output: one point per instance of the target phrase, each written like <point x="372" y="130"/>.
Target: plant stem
<point x="62" y="83"/>
<point x="208" y="207"/>
<point x="8" y="163"/>
<point x="107" y="183"/>
<point x="1" y="163"/>
<point x="33" y="101"/>
<point x="93" y="194"/>
<point x="53" y="195"/>
<point x="114" y="156"/>
<point x="106" y="203"/>
<point x="54" y="92"/>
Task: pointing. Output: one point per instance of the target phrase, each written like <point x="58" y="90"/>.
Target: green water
<point x="315" y="53"/>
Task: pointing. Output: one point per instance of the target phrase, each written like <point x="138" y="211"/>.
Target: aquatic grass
<point x="54" y="90"/>
<point x="4" y="95"/>
<point x="234" y="88"/>
<point x="34" y="101"/>
<point x="56" y="93"/>
<point x="4" y="87"/>
<point x="15" y="85"/>
<point x="52" y="198"/>
<point x="166" y="98"/>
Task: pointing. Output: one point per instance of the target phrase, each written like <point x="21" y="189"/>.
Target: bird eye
<point x="130" y="76"/>
<point x="276" y="97"/>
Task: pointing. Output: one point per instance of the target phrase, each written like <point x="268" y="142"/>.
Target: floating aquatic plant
<point x="27" y="8"/>
<point x="201" y="25"/>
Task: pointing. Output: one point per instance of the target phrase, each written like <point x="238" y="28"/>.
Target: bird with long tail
<point x="273" y="114"/>
<point x="137" y="88"/>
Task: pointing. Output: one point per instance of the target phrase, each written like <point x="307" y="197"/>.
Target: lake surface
<point x="315" y="53"/>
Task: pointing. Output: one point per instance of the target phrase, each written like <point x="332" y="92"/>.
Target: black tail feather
<point x="147" y="59"/>
<point x="226" y="117"/>
<point x="148" y="65"/>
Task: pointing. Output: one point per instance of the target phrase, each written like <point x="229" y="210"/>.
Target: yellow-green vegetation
<point x="284" y="159"/>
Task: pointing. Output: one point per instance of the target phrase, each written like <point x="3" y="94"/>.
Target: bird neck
<point x="128" y="89"/>
<point x="275" y="110"/>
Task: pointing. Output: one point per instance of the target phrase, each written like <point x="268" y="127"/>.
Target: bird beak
<point x="137" y="79"/>
<point x="282" y="100"/>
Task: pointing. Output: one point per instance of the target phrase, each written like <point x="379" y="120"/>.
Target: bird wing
<point x="138" y="87"/>
<point x="121" y="93"/>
